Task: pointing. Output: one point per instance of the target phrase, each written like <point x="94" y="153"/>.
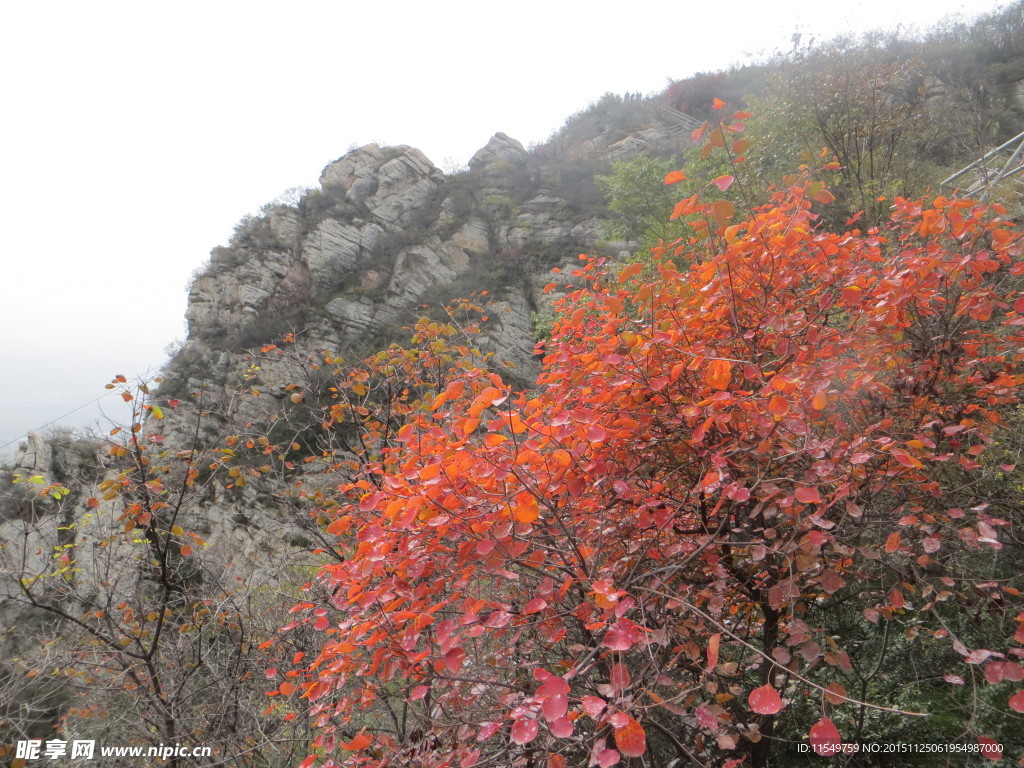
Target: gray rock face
<point x="405" y="187"/>
<point x="333" y="249"/>
<point x="359" y="164"/>
<point x="500" y="147"/>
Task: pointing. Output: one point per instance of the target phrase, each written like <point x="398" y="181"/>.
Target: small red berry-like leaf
<point x="765" y="700"/>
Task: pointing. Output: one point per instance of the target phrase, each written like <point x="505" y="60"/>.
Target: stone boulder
<point x="500" y="147"/>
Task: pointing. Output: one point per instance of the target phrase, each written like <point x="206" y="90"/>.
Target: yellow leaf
<point x="177" y="530"/>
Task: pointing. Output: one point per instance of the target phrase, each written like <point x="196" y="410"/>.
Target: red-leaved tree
<point x="737" y="486"/>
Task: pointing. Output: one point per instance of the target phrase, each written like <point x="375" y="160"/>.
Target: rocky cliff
<point x="343" y="268"/>
<point x="384" y="233"/>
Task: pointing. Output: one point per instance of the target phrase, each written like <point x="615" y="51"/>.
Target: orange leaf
<point x="824" y="196"/>
<point x="633" y="269"/>
<point x="717" y="103"/>
<point x="526" y="509"/>
<point x="361" y="741"/>
<point x="674" y="177"/>
<point x="287" y="688"/>
<point x="835" y="693"/>
<point x="722" y="210"/>
<point x="631" y="739"/>
<point x="906" y="459"/>
<point x="719" y="374"/>
<point x="713" y="644"/>
<point x="778" y="406"/>
<point x="893" y="542"/>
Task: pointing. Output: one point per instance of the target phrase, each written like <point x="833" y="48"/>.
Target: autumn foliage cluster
<point x="762" y="496"/>
<point x="758" y="472"/>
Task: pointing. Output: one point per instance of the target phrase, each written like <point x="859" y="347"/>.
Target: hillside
<point x="145" y="574"/>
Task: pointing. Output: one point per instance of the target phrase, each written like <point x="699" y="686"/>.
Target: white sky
<point x="136" y="134"/>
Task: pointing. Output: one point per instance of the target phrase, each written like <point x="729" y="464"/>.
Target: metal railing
<point x="1004" y="163"/>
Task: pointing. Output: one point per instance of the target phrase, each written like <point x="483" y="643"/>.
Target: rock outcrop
<point x="344" y="269"/>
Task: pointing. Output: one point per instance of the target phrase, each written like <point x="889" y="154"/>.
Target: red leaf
<point x="831" y="581"/>
<point x="1017" y="701"/>
<point x="453" y="659"/>
<point x="619" y="677"/>
<point x="705" y="717"/>
<point x="561" y="728"/>
<point x="825" y="738"/>
<point x="990" y="748"/>
<point x="765" y="700"/>
<point x="618" y="638"/>
<point x="524" y="731"/>
<point x="807" y="495"/>
<point x="536" y="605"/>
<point x="593" y="706"/>
<point x="724" y="182"/>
